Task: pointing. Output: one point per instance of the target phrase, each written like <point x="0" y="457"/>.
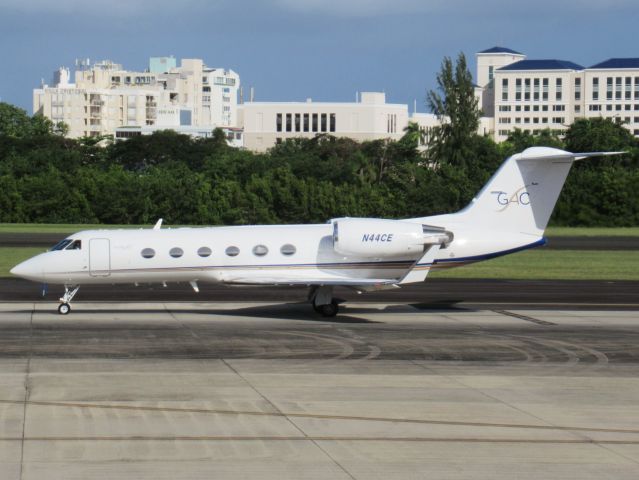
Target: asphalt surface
<point x="47" y="240"/>
<point x="432" y="294"/>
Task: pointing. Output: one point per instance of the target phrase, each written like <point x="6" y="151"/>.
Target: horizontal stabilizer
<point x="544" y="153"/>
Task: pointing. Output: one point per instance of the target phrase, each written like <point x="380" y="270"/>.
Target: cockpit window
<point x="61" y="244"/>
<point x="76" y="245"/>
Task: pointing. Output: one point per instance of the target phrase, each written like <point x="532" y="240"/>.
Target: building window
<point x="315" y="122"/>
<point x="289" y="122"/>
<point x="536" y="89"/>
<point x="558" y="87"/>
<point x="628" y="90"/>
<point x="595" y="88"/>
<point x="298" y="122"/>
<point x="491" y="72"/>
<point x="636" y="88"/>
<point x="306" y="122"/>
<point x="204" y="252"/>
<point x="527" y="89"/>
<point x="544" y="120"/>
<point x="609" y="108"/>
<point x="609" y="88"/>
<point x="535" y="108"/>
<point x="504" y="89"/>
<point x="176" y="252"/>
<point x="332" y="122"/>
<point x="278" y="122"/>
<point x="518" y="89"/>
<point x="324" y="123"/>
<point x="544" y="92"/>
<point x="618" y="88"/>
<point x="577" y="89"/>
<point x="232" y="251"/>
<point x="504" y="108"/>
<point x="577" y="108"/>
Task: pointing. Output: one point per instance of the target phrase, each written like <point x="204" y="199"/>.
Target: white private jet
<point x="508" y="215"/>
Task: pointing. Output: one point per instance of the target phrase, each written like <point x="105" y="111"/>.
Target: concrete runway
<point x="434" y="293"/>
<point x="270" y="390"/>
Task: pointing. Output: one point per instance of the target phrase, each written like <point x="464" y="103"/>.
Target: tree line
<point x="45" y="177"/>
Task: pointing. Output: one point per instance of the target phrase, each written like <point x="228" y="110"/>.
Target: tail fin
<point x="522" y="194"/>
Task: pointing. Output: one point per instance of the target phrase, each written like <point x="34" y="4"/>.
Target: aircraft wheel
<point x="64" y="308"/>
<point x="329" y="309"/>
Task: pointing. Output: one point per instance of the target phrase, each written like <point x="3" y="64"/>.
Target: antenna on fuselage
<point x="158" y="225"/>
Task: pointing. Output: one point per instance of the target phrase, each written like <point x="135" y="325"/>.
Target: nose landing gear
<point x="65" y="302"/>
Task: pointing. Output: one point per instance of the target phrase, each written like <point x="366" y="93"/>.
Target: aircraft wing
<point x="362" y="283"/>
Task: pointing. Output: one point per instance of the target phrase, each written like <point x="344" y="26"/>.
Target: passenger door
<point x="99" y="257"/>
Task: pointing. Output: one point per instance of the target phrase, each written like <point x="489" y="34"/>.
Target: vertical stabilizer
<point x="522" y="194"/>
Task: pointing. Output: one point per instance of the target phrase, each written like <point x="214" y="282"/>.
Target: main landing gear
<point x="65" y="302"/>
<point x="323" y="301"/>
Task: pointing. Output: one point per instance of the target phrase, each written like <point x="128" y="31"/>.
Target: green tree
<point x="14" y="122"/>
<point x="456" y="106"/>
<point x="599" y="135"/>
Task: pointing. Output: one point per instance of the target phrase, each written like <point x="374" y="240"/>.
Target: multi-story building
<point x="268" y="123"/>
<point x="105" y="97"/>
<point x="533" y="95"/>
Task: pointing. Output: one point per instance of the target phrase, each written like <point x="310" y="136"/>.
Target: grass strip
<point x="545" y="264"/>
<point x="539" y="264"/>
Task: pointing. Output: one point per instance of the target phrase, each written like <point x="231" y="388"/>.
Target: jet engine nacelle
<point x="369" y="237"/>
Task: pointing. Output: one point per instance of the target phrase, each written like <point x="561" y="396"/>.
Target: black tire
<point x="329" y="309"/>
<point x="64" y="308"/>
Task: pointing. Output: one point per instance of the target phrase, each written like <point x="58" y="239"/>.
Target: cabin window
<point x="204" y="252"/>
<point x="288" y="249"/>
<point x="176" y="252"/>
<point x="77" y="245"/>
<point x="260" y="250"/>
<point x="232" y="251"/>
<point x="61" y="244"/>
<point x="148" y="253"/>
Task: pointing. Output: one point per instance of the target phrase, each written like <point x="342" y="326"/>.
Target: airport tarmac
<point x="270" y="390"/>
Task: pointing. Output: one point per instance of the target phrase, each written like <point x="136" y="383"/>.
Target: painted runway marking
<point x="524" y="317"/>
<point x="320" y="416"/>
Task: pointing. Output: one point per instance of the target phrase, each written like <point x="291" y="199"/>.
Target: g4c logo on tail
<point x="505" y="199"/>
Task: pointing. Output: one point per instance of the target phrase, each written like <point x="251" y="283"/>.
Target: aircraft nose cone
<point x="29" y="269"/>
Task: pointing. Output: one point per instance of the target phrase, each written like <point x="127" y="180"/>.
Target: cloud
<point x="338" y="8"/>
<point x="110" y="9"/>
<point x="372" y="8"/>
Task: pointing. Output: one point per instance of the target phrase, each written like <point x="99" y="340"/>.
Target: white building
<point x="268" y="123"/>
<point x="105" y="97"/>
<point x="534" y="95"/>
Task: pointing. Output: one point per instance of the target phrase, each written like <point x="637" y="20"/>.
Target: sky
<point x="291" y="50"/>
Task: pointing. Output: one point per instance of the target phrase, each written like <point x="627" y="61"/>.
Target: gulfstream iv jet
<point x="508" y="215"/>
